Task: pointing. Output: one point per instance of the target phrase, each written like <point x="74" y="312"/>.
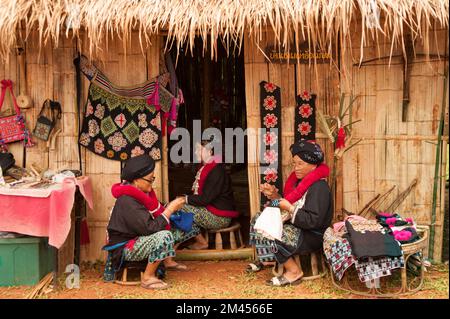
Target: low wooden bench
<point x="234" y="231"/>
<point x="124" y="275"/>
<point x="313" y="266"/>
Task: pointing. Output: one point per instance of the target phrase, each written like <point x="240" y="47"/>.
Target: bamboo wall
<point x="395" y="152"/>
<point x="392" y="152"/>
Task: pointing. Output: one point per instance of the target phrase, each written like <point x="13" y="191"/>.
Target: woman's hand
<point x="175" y="205"/>
<point x="178" y="202"/>
<point x="285" y="205"/>
<point x="270" y="191"/>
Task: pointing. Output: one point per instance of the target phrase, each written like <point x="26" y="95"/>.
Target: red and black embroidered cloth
<point x="123" y="122"/>
<point x="305" y="117"/>
<point x="270" y="155"/>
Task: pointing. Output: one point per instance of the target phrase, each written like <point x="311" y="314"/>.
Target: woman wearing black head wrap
<point x="307" y="211"/>
<point x="139" y="227"/>
<point x="211" y="201"/>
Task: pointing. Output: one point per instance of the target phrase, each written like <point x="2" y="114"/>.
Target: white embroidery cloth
<point x="269" y="223"/>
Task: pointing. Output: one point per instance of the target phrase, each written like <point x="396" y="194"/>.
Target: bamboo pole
<point x="437" y="166"/>
<point x="208" y="254"/>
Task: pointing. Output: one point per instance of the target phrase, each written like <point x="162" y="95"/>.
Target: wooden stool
<point x="313" y="272"/>
<point x="128" y="265"/>
<point x="234" y="229"/>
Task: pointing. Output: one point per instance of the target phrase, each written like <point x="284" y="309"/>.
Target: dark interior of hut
<point x="214" y="92"/>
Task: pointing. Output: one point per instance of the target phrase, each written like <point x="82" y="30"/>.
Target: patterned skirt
<point x="155" y="247"/>
<point x="275" y="250"/>
<point x="180" y="236"/>
<point x="203" y="218"/>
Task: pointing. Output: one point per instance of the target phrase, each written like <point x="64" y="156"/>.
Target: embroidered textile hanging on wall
<point x="123" y="122"/>
<point x="270" y="110"/>
<point x="305" y="117"/>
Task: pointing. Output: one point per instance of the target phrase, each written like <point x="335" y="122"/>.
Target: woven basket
<point x="416" y="246"/>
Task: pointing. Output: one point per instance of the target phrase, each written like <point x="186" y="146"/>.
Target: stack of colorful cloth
<point x="370" y="245"/>
<point x="403" y="230"/>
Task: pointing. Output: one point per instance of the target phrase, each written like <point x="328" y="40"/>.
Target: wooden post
<point x="232" y="240"/>
<point x="206" y="92"/>
<point x="219" y="244"/>
<point x="161" y="184"/>
<point x="165" y="168"/>
<point x="255" y="71"/>
<point x="314" y="264"/>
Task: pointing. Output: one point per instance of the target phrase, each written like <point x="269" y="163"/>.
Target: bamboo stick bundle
<point x="41" y="287"/>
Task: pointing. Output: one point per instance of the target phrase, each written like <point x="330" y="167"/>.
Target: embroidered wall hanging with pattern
<point x="270" y="110"/>
<point x="123" y="122"/>
<point x="305" y="117"/>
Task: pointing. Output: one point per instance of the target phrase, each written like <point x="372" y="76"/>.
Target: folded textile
<point x="338" y="252"/>
<point x="406" y="236"/>
<point x="393" y="220"/>
<point x="369" y="239"/>
<point x="403" y="230"/>
<point x="182" y="220"/>
<point x="269" y="223"/>
<point x="339" y="226"/>
<point x="376" y="268"/>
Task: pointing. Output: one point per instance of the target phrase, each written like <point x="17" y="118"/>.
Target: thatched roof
<point x="319" y="21"/>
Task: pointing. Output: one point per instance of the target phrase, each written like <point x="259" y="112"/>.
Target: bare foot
<point x="176" y="266"/>
<point x="154" y="283"/>
<point x="293" y="276"/>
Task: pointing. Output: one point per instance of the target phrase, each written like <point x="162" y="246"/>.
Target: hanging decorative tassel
<point x="340" y="141"/>
<point x="153" y="99"/>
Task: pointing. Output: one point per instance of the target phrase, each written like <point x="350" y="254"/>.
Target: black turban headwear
<point x="137" y="167"/>
<point x="309" y="152"/>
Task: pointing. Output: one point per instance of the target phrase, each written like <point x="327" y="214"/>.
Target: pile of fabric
<point x="373" y="246"/>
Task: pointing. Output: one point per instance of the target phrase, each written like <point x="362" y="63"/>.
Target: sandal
<point x="154" y="285"/>
<point x="255" y="267"/>
<point x="180" y="267"/>
<point x="282" y="281"/>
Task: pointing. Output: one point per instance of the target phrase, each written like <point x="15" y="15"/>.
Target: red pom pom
<point x="340" y="142"/>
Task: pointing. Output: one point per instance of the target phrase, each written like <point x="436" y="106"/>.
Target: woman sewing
<point x="139" y="227"/>
<point x="307" y="212"/>
<point x="211" y="200"/>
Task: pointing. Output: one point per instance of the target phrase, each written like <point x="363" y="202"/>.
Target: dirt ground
<point x="224" y="280"/>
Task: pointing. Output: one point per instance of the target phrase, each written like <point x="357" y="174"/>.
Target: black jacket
<point x="314" y="217"/>
<point x="216" y="191"/>
<point x="130" y="219"/>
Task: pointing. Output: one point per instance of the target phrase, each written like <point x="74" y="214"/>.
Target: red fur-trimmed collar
<point x="149" y="200"/>
<point x="293" y="193"/>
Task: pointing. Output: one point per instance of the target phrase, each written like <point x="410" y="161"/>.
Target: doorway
<point x="214" y="92"/>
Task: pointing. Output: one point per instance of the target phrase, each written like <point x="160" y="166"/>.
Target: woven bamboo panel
<point x="395" y="152"/>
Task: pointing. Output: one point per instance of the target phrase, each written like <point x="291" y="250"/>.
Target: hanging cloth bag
<point x="44" y="125"/>
<point x="12" y="128"/>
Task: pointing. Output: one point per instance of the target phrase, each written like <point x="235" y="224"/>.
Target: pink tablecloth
<point x="44" y="216"/>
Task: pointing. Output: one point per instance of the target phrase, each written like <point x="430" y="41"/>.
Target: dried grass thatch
<point x="317" y="21"/>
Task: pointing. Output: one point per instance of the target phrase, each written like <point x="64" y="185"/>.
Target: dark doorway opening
<point x="214" y="92"/>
